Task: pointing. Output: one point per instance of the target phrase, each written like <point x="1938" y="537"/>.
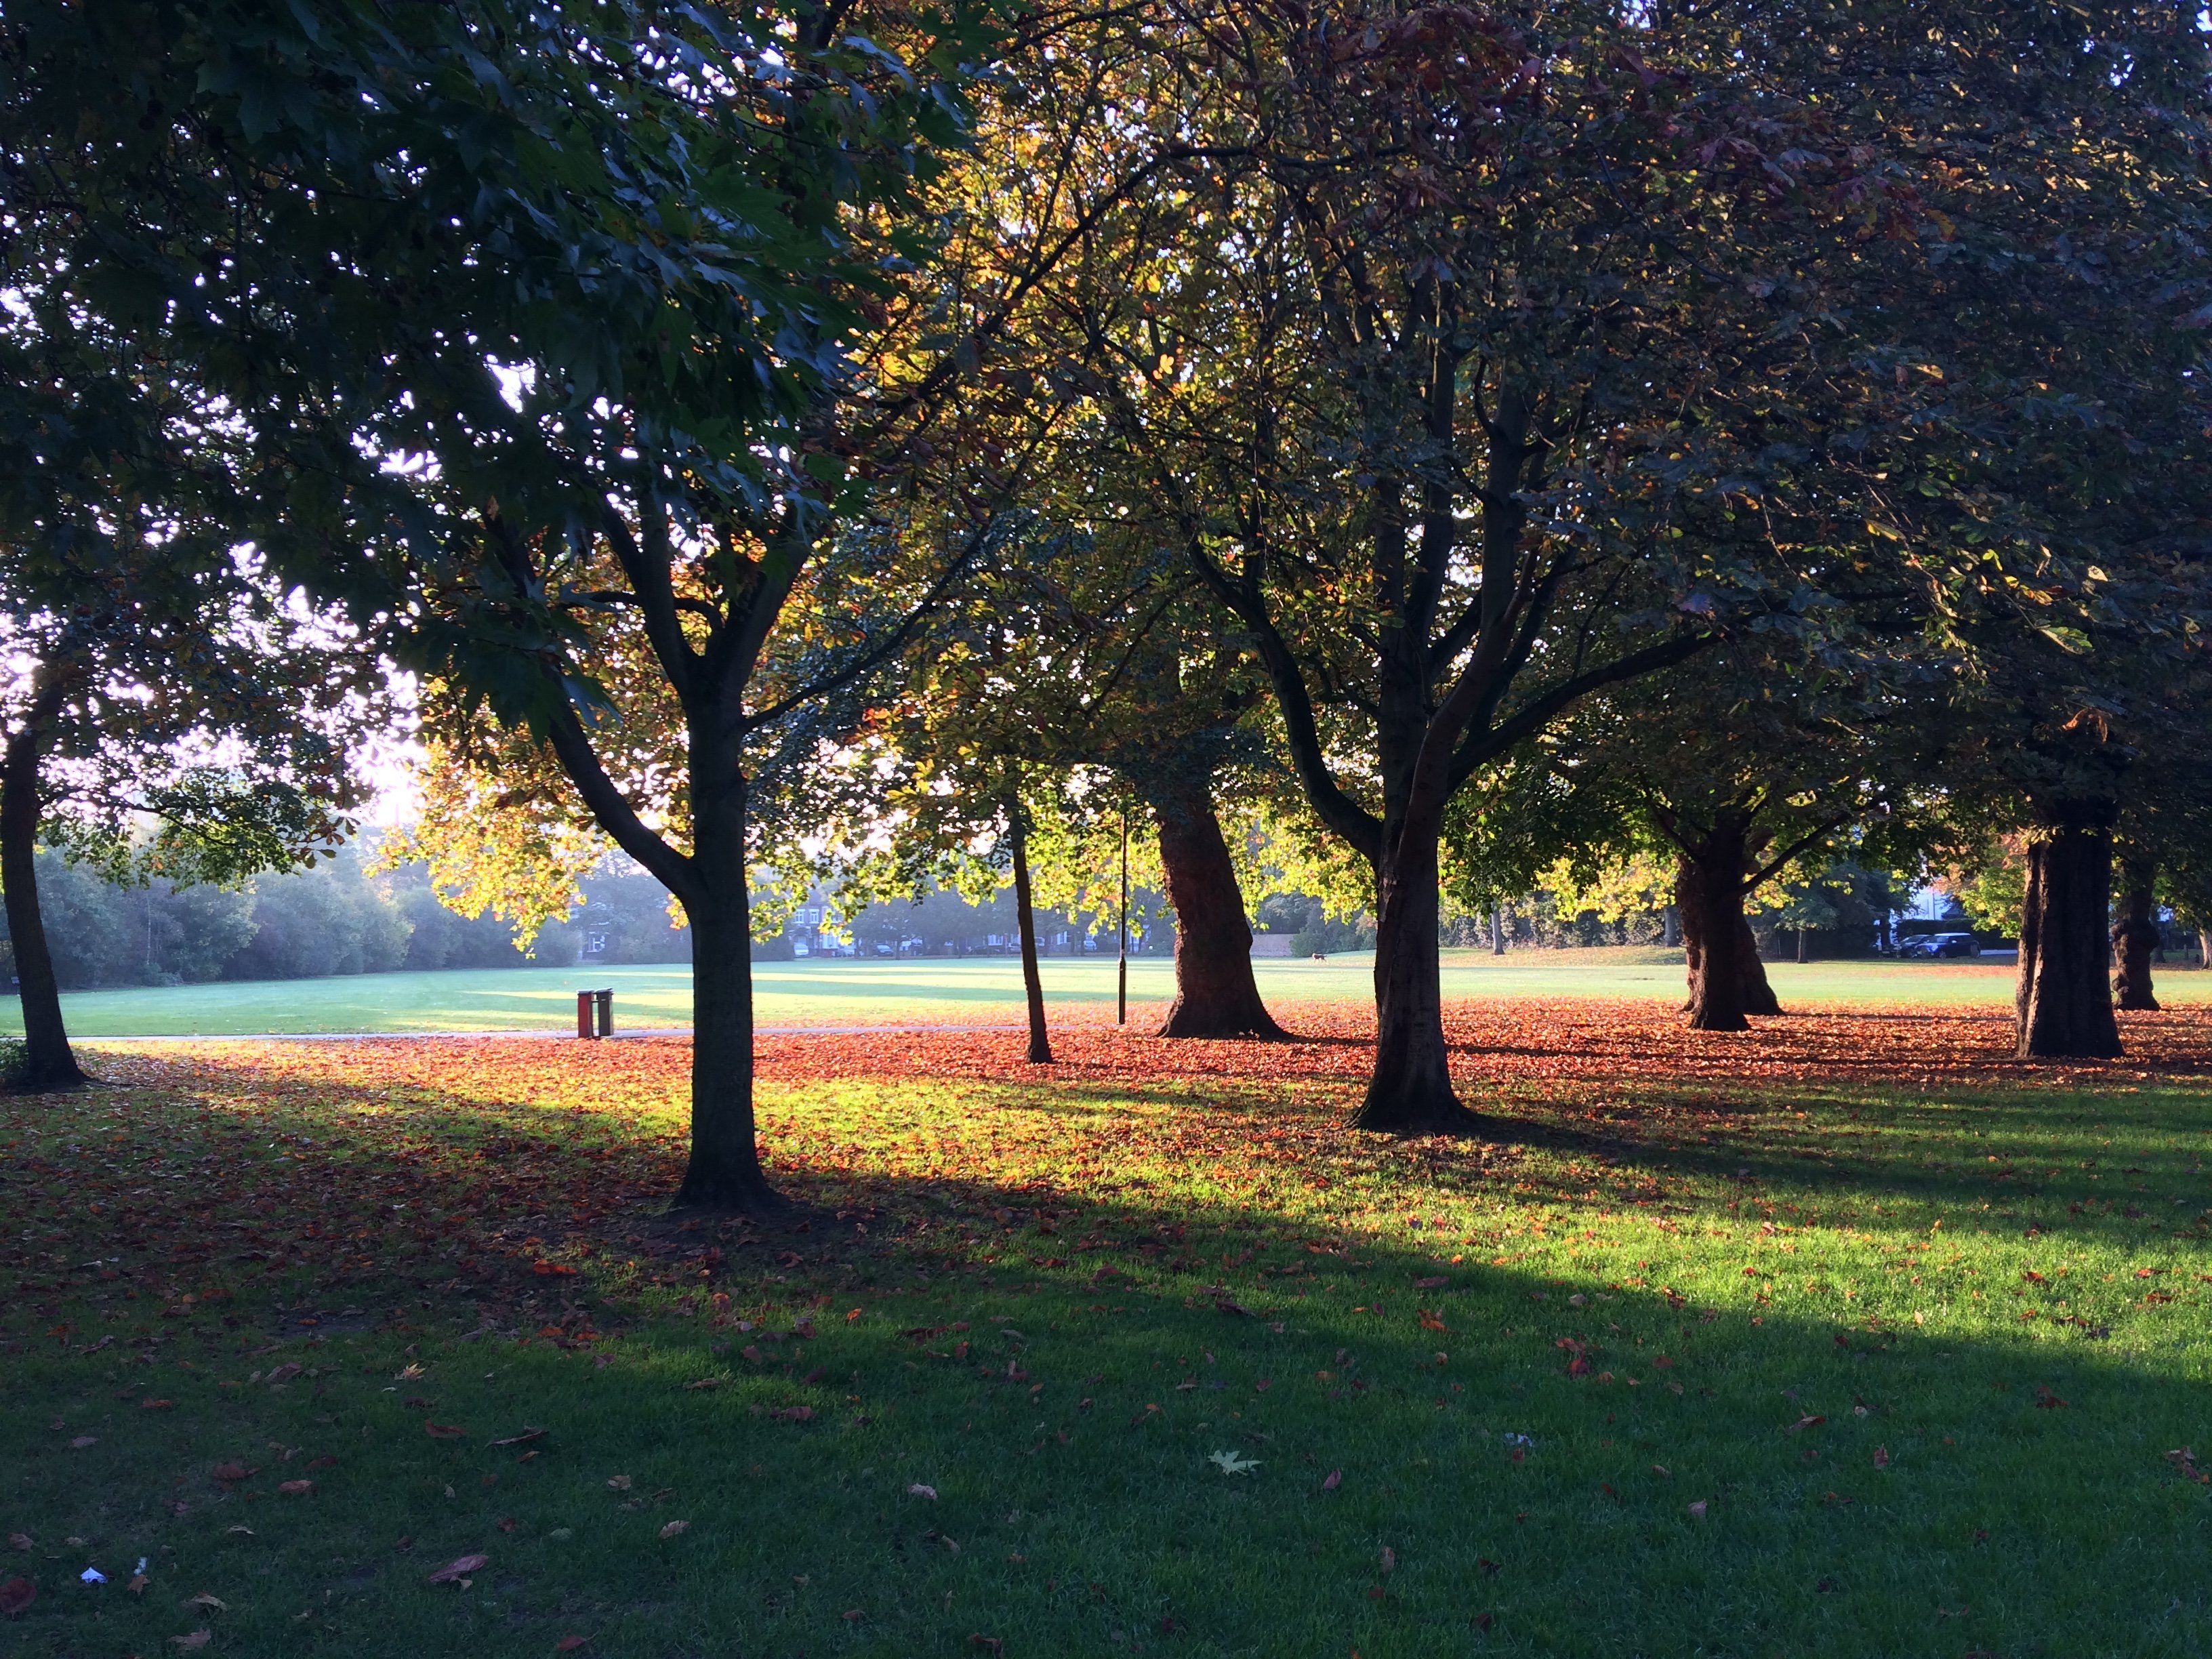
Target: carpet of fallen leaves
<point x="507" y="1168"/>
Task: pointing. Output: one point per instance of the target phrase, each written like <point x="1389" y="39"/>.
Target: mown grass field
<point x="1850" y="1337"/>
<point x="940" y="991"/>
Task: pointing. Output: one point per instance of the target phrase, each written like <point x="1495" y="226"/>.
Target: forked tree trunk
<point x="724" y="1171"/>
<point x="47" y="1062"/>
<point x="2135" y="935"/>
<point x="1040" y="1050"/>
<point x="1216" y="995"/>
<point x="2064" y="1000"/>
<point x="1411" y="1091"/>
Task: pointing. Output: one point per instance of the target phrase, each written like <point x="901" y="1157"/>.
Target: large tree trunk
<point x="1759" y="996"/>
<point x="2065" y="999"/>
<point x="1411" y="1091"/>
<point x="1497" y="931"/>
<point x="47" y="1062"/>
<point x="725" y="1170"/>
<point x="2135" y="935"/>
<point x="1040" y="1052"/>
<point x="1216" y="995"/>
<point x="1728" y="982"/>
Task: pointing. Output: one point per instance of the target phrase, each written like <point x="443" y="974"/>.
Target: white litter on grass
<point x="92" y="1575"/>
<point x="1230" y="1462"/>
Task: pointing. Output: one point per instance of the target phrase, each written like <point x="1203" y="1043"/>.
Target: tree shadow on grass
<point x="1527" y="1433"/>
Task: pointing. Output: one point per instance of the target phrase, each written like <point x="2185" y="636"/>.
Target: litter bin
<point x="595" y="1013"/>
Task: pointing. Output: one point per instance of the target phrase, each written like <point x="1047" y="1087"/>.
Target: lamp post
<point x="1121" y="968"/>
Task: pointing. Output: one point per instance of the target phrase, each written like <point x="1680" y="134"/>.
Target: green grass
<point x="1034" y="1326"/>
<point x="850" y="992"/>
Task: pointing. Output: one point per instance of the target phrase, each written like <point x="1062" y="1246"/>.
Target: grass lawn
<point x="1851" y="1336"/>
<point x="947" y="992"/>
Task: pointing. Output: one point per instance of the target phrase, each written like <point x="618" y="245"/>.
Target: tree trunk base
<point x="48" y="1079"/>
<point x="1717" y="1019"/>
<point x="1188" y="1018"/>
<point x="701" y="1190"/>
<point x="1417" y="1111"/>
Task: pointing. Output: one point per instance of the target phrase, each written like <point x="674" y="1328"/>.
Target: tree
<point x="171" y="708"/>
<point x="1462" y="312"/>
<point x="567" y="317"/>
<point x="2049" y="453"/>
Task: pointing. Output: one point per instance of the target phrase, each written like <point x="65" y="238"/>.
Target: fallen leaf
<point x="21" y="1540"/>
<point x="442" y="1430"/>
<point x="232" y="1473"/>
<point x="1335" y="1479"/>
<point x="156" y="1405"/>
<point x="1806" y="1422"/>
<point x="283" y="1373"/>
<point x="918" y="1490"/>
<point x="1881" y="1457"/>
<point x="1390" y="1559"/>
<point x="570" y="1644"/>
<point x="1230" y="1462"/>
<point x="82" y="1441"/>
<point x="1698" y="1510"/>
<point x="137" y="1584"/>
<point x="460" y="1567"/>
<point x="17" y="1594"/>
<point x="212" y="1603"/>
<point x="675" y="1528"/>
<point x="522" y="1439"/>
<point x="1435" y="1281"/>
<point x="295" y="1488"/>
<point x="989" y="1644"/>
<point x="618" y="1482"/>
<point x="704" y="1383"/>
<point x="197" y="1640"/>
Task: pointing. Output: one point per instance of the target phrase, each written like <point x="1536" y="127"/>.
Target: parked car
<point x="1926" y="946"/>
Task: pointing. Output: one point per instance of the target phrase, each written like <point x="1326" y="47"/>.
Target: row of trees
<point x="1731" y="434"/>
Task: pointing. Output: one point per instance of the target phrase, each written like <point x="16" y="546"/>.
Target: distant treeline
<point x="333" y="918"/>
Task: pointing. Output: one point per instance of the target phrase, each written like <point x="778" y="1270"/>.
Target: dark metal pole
<point x="1122" y="984"/>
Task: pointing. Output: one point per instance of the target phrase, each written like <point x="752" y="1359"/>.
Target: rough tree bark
<point x="1040" y="1051"/>
<point x="1410" y="1092"/>
<point x="2064" y="1000"/>
<point x="1216" y="995"/>
<point x="1719" y="949"/>
<point x="1728" y="982"/>
<point x="724" y="1170"/>
<point x="2135" y="935"/>
<point x="1497" y="932"/>
<point x="1711" y="901"/>
<point x="47" y="1062"/>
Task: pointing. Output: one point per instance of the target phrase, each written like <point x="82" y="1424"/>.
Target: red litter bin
<point x="595" y="1013"/>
